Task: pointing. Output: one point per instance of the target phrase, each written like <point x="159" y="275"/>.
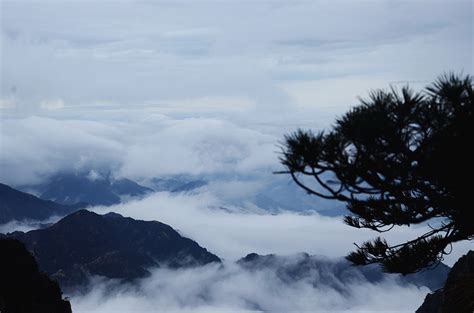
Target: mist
<point x="233" y="232"/>
<point x="230" y="288"/>
<point x="27" y="225"/>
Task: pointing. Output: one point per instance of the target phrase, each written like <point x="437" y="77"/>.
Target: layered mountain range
<point x="336" y="274"/>
<point x="85" y="244"/>
<point x="96" y="188"/>
<point x="102" y="188"/>
<point x="92" y="188"/>
<point x="17" y="205"/>
<point x="65" y="193"/>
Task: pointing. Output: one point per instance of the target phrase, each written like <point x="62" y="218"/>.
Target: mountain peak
<point x="113" y="215"/>
<point x="86" y="243"/>
<point x="91" y="187"/>
<point x="18" y="205"/>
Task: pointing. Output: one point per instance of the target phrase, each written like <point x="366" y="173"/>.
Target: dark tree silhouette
<point x="398" y="158"/>
<point x="23" y="288"/>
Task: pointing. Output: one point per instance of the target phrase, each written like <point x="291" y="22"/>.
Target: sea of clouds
<point x="214" y="288"/>
<point x="152" y="145"/>
<point x="240" y="159"/>
<point x="208" y="90"/>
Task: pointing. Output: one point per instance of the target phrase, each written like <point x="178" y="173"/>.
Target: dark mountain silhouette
<point x="23" y="289"/>
<point x="457" y="295"/>
<point x="127" y="187"/>
<point x="17" y="205"/>
<point x="85" y="243"/>
<point x="336" y="274"/>
<point x="176" y="184"/>
<point x="68" y="188"/>
<point x="283" y="193"/>
<point x="195" y="184"/>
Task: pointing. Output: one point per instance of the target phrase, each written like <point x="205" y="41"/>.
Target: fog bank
<point x="232" y="289"/>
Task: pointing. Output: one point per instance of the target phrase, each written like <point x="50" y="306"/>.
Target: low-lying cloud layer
<point x="238" y="161"/>
<point x="34" y="148"/>
<point x="26" y="226"/>
<point x="230" y="288"/>
<point x="232" y="233"/>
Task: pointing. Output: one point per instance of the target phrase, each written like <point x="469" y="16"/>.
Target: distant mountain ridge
<point x="71" y="188"/>
<point x="284" y="194"/>
<point x="336" y="274"/>
<point x="19" y="206"/>
<point x="176" y="184"/>
<point x="101" y="188"/>
<point x="85" y="243"/>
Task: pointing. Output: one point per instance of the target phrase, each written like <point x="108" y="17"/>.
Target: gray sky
<point x="196" y="87"/>
<point x="210" y="56"/>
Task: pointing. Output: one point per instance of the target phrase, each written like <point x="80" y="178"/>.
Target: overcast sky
<point x="196" y="56"/>
<point x="207" y="85"/>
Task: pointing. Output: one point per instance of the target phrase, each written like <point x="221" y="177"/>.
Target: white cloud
<point x="199" y="146"/>
<point x="26" y="225"/>
<point x="234" y="232"/>
<point x="93" y="175"/>
<point x="238" y="162"/>
<point x="232" y="289"/>
<point x="205" y="104"/>
<point x="332" y="94"/>
<point x="36" y="147"/>
<point x="7" y="104"/>
<point x="52" y="104"/>
<point x="135" y="52"/>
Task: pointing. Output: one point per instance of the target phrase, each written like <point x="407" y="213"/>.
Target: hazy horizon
<point x="207" y="90"/>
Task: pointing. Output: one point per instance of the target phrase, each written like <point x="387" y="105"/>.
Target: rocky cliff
<point x="457" y="295"/>
<point x="23" y="289"/>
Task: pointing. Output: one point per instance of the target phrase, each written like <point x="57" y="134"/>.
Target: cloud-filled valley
<point x="233" y="289"/>
<point x="227" y="215"/>
<point x="177" y="112"/>
<point x="234" y="232"/>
